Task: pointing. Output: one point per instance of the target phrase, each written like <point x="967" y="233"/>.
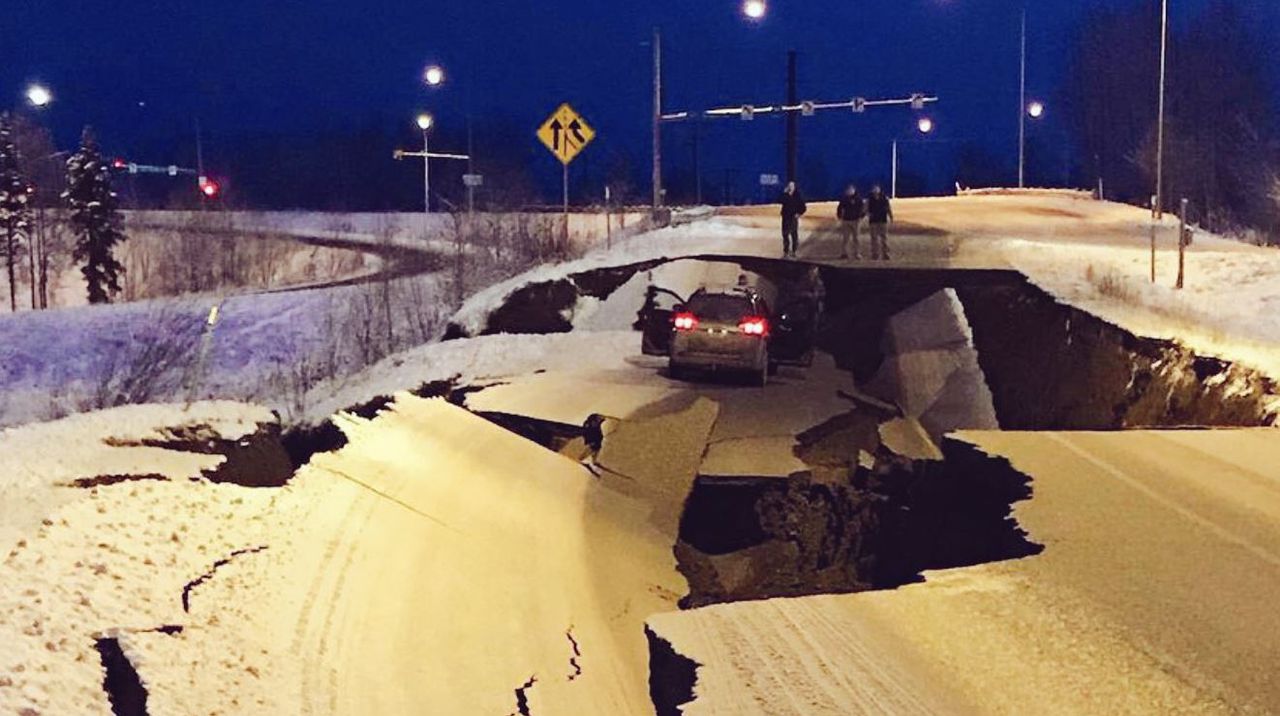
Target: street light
<point x="1035" y="110"/>
<point x="433" y="76"/>
<point x="425" y="122"/>
<point x="754" y="10"/>
<point x="924" y="126"/>
<point x="39" y="96"/>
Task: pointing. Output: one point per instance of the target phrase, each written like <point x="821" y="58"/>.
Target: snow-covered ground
<point x="325" y="596"/>
<point x="267" y="348"/>
<point x="435" y="232"/>
<point x="84" y="560"/>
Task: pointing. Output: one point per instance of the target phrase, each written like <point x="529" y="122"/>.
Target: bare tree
<point x="153" y="362"/>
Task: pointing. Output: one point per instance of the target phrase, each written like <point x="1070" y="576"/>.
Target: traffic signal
<point x="209" y="188"/>
<point x="119" y="164"/>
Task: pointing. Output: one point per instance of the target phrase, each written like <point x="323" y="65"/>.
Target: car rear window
<point x="718" y="307"/>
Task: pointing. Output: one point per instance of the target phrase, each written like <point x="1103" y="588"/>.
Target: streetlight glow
<point x="1035" y="110"/>
<point x="925" y="125"/>
<point x="425" y="121"/>
<point x="754" y="9"/>
<point x="434" y="76"/>
<point x="39" y="96"/>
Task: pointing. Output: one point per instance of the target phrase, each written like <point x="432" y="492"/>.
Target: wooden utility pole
<point x="1182" y="244"/>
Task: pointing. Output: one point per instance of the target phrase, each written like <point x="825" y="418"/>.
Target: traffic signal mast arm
<point x="402" y="154"/>
<point x="858" y="104"/>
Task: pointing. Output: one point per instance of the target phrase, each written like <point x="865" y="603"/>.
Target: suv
<point x="718" y="330"/>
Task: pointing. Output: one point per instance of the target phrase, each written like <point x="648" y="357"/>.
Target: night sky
<point x="142" y="72"/>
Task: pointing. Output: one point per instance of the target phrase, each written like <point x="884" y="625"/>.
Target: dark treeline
<point x="1220" y="138"/>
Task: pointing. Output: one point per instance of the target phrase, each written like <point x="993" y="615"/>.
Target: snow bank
<point x="486" y="359"/>
<point x="714" y="236"/>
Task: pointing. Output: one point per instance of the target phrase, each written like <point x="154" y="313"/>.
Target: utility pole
<point x="657" y="120"/>
<point x="199" y="164"/>
<point x="1022" y="108"/>
<point x="697" y="161"/>
<point x="793" y="118"/>
<point x="1164" y="49"/>
<point x="1182" y="245"/>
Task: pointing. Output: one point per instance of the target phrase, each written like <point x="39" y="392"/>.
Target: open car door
<point x="656" y="320"/>
<point x="795" y="331"/>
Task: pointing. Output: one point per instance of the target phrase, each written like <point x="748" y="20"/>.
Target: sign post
<point x="566" y="134"/>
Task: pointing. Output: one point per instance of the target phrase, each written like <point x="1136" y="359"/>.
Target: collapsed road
<point x="580" y="533"/>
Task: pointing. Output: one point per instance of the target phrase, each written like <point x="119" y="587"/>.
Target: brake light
<point x="754" y="326"/>
<point x="686" y="321"/>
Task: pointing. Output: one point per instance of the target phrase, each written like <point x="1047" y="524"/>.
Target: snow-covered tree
<point x="95" y="219"/>
<point x="15" y="210"/>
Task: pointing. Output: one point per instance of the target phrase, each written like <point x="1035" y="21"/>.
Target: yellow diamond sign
<point x="566" y="133"/>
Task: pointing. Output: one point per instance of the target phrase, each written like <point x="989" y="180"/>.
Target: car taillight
<point x="686" y="321"/>
<point x="754" y="326"/>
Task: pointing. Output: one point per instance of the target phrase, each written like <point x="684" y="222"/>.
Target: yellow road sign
<point x="566" y="133"/>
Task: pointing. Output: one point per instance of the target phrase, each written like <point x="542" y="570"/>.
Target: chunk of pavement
<point x="907" y="438"/>
<point x="658" y="458"/>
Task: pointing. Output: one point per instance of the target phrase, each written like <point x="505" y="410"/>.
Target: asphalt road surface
<point x="1155" y="594"/>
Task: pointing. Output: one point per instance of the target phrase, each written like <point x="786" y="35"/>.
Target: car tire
<point x="677" y="372"/>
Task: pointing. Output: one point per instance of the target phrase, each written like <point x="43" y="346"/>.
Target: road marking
<point x="1223" y="534"/>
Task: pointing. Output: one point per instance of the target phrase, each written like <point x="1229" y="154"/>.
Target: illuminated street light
<point x="433" y="76"/>
<point x="925" y="125"/>
<point x="1035" y="110"/>
<point x="754" y="9"/>
<point x="39" y="96"/>
<point x="425" y="121"/>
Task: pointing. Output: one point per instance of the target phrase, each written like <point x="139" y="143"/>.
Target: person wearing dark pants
<point x="850" y="212"/>
<point x="879" y="214"/>
<point x="793" y="207"/>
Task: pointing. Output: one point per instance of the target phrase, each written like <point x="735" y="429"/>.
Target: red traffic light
<point x="209" y="187"/>
<point x="119" y="163"/>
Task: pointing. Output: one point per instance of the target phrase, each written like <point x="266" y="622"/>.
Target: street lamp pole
<point x="894" y="186"/>
<point x="424" y="123"/>
<point x="657" y="119"/>
<point x="1164" y="47"/>
<point x="1022" y="107"/>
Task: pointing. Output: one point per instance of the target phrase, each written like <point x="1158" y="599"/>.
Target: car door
<point x="795" y="331"/>
<point x="655" y="320"/>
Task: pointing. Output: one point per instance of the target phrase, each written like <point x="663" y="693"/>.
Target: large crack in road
<point x="866" y="514"/>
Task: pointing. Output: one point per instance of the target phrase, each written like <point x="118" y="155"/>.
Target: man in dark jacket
<point x="850" y="211"/>
<point x="793" y="207"/>
<point x="879" y="214"/>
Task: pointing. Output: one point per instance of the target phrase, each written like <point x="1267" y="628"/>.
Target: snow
<point x="410" y="230"/>
<point x="87" y="562"/>
<point x="713" y="236"/>
<point x="483" y="360"/>
<point x="52" y="362"/>
<point x="368" y="585"/>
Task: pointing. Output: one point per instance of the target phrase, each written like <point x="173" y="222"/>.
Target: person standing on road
<point x="793" y="207"/>
<point x="850" y="211"/>
<point x="879" y="214"/>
